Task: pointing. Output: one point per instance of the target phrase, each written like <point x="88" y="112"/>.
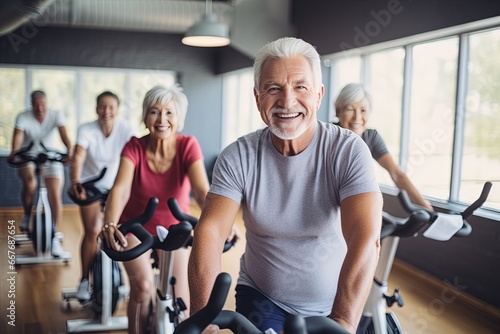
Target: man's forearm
<point x="204" y="266"/>
<point x="354" y="285"/>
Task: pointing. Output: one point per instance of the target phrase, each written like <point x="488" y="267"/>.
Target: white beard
<point x="287" y="132"/>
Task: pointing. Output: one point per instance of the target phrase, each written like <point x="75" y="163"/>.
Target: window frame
<point x="462" y="32"/>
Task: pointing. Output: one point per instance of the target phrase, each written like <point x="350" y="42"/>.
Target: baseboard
<point x="19" y="210"/>
<point x="465" y="298"/>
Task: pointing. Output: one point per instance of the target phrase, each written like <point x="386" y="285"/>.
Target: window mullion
<point x="460" y="114"/>
<point x="405" y="108"/>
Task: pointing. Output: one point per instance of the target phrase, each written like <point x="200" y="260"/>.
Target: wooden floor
<point x="430" y="307"/>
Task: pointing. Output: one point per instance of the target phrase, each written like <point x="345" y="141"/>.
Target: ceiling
<point x="170" y="16"/>
<point x="250" y="21"/>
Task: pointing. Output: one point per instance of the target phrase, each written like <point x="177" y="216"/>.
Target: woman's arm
<point x="75" y="172"/>
<point x="117" y="199"/>
<point x="402" y="181"/>
<point x="199" y="181"/>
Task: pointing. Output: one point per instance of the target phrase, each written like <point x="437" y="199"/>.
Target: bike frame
<point x="44" y="226"/>
<point x="376" y="304"/>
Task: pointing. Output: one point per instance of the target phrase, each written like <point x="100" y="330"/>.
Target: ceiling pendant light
<point x="209" y="32"/>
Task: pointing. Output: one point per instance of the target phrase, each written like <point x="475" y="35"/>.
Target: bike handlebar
<point x="175" y="239"/>
<point x="197" y="322"/>
<point x="295" y="324"/>
<point x="212" y="313"/>
<point x="42" y="157"/>
<point x="181" y="216"/>
<point x="421" y="218"/>
<point x="92" y="192"/>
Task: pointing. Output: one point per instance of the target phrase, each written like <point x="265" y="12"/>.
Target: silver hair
<point x="164" y="95"/>
<point x="287" y="47"/>
<point x="352" y="93"/>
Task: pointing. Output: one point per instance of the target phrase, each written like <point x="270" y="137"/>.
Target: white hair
<point x="164" y="95"/>
<point x="287" y="47"/>
<point x="352" y="93"/>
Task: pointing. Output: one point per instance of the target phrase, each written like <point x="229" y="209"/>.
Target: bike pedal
<point x="395" y="298"/>
<point x="180" y="303"/>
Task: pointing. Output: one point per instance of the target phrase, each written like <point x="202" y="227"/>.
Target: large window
<point x="73" y="91"/>
<point x="386" y="88"/>
<point x="432" y="110"/>
<point x="12" y="99"/>
<point x="481" y="152"/>
<point x="437" y="107"/>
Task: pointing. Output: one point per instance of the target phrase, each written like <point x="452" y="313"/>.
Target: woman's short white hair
<point x="164" y="95"/>
<point x="352" y="93"/>
<point x="287" y="47"/>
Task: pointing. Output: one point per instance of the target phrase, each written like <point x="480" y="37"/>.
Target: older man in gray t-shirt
<point x="295" y="247"/>
<point x="311" y="206"/>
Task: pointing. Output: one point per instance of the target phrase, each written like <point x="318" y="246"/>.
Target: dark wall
<point x="120" y="49"/>
<point x="334" y="26"/>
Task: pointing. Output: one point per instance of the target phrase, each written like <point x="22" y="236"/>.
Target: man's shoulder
<point x="25" y="114"/>
<point x="331" y="130"/>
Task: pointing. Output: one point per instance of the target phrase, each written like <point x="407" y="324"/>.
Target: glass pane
<point x="12" y="102"/>
<point x="60" y="87"/>
<point x="386" y="86"/>
<point x="432" y="108"/>
<point x="481" y="159"/>
<point x="344" y="71"/>
<point x="240" y="111"/>
<point x="140" y="83"/>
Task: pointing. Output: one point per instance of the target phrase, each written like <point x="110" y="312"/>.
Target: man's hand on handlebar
<point x="113" y="237"/>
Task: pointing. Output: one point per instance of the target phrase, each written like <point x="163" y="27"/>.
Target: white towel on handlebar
<point x="444" y="227"/>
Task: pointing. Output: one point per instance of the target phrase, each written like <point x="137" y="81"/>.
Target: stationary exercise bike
<point x="434" y="225"/>
<point x="168" y="310"/>
<point x="42" y="229"/>
<point x="106" y="278"/>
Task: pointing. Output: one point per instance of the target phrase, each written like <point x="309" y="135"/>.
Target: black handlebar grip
<point x="321" y="325"/>
<point x="92" y="192"/>
<point x="197" y="322"/>
<point x="144" y="236"/>
<point x="407" y="204"/>
<point x="181" y="216"/>
<point x="237" y="323"/>
<point x="134" y="226"/>
<point x="177" y="237"/>
<point x="178" y="214"/>
<point x="295" y="324"/>
<point x="477" y="204"/>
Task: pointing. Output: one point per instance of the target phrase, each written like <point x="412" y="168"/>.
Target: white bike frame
<point x="376" y="305"/>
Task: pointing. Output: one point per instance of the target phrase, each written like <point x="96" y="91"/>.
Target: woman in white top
<point x="99" y="144"/>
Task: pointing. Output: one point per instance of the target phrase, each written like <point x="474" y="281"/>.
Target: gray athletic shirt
<point x="375" y="143"/>
<point x="295" y="248"/>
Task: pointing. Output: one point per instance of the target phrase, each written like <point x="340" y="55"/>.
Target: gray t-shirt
<point x="291" y="210"/>
<point x="375" y="143"/>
